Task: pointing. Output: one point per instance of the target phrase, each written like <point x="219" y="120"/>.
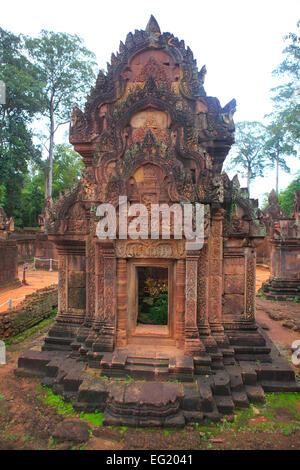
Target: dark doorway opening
<point x="152" y="295"/>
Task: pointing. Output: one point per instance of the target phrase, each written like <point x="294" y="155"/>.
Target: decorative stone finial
<point x="152" y="26"/>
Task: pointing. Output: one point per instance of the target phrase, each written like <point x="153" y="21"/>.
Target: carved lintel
<point x="150" y="249"/>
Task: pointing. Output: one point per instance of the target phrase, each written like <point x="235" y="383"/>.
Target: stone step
<point x="236" y="379"/>
<point x="221" y="383"/>
<point x="57" y="343"/>
<point x="252" y="350"/>
<point x="181" y="364"/>
<point x="212" y="416"/>
<point x="35" y="361"/>
<point x="155" y="362"/>
<point x="192" y="400"/>
<point x="202" y="360"/>
<point x="280" y="386"/>
<point x="142" y="371"/>
<point x="203" y="370"/>
<point x="248" y="373"/>
<point x="224" y="404"/>
<point x="206" y="395"/>
<point x="92" y="394"/>
<point x="152" y="340"/>
<point x="278" y="371"/>
<point x="255" y="393"/>
<point x="240" y="399"/>
<point x="227" y="352"/>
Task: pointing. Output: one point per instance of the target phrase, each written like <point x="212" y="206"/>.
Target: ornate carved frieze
<point x="150" y="249"/>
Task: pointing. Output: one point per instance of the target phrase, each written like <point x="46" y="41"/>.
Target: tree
<point x="23" y="101"/>
<point x="67" y="69"/>
<point x="277" y="146"/>
<point x="248" y="152"/>
<point x="286" y="197"/>
<point x="67" y="166"/>
<point x="31" y="201"/>
<point x="287" y="95"/>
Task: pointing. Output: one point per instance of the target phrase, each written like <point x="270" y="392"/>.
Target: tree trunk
<point x="46" y="185"/>
<point x="248" y="180"/>
<point x="51" y="146"/>
<point x="277" y="172"/>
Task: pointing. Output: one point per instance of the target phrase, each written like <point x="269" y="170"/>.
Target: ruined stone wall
<point x="263" y="252"/>
<point x="8" y="263"/>
<point x="34" y="309"/>
<point x="32" y="245"/>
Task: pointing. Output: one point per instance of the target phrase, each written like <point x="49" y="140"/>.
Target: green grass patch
<point x="63" y="407"/>
<point x="57" y="402"/>
<point x="28" y="333"/>
<point x="281" y="412"/>
<point x="95" y="419"/>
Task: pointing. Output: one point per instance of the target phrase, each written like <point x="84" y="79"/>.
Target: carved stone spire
<point x="152" y="26"/>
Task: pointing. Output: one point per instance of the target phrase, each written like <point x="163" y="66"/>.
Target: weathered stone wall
<point x="45" y="249"/>
<point x="263" y="252"/>
<point x="8" y="263"/>
<point x="34" y="244"/>
<point x="34" y="309"/>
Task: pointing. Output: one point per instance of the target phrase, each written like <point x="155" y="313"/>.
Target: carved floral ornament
<point x="150" y="249"/>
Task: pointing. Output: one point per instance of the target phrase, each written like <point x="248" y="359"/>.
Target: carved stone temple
<point x="149" y="132"/>
<point x="284" y="243"/>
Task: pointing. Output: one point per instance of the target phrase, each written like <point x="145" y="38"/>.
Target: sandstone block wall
<point x="34" y="309"/>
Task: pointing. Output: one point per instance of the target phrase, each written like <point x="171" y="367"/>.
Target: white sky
<point x="240" y="42"/>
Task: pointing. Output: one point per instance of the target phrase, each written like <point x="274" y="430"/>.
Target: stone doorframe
<point x="132" y="283"/>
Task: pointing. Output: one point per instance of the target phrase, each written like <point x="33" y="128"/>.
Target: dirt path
<point x="36" y="280"/>
<point x="273" y="315"/>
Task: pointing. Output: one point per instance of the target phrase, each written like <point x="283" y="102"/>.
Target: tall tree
<point x="67" y="166"/>
<point x="67" y="69"/>
<point x="287" y="95"/>
<point x="286" y="197"/>
<point x="247" y="155"/>
<point x="23" y="101"/>
<point x="277" y="147"/>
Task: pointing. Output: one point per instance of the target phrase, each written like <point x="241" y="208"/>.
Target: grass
<point x="63" y="407"/>
<point x="31" y="331"/>
<point x="289" y="403"/>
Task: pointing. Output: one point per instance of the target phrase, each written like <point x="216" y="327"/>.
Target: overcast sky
<point x="240" y="41"/>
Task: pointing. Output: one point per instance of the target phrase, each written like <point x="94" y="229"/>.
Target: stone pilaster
<point x="179" y="299"/>
<point x="215" y="282"/>
<point x="106" y="318"/>
<point x="193" y="345"/>
<point x="250" y="283"/>
<point x="121" y="302"/>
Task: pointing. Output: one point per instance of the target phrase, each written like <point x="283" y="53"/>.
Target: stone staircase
<point x="175" y="390"/>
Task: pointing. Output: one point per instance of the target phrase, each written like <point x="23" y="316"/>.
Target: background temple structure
<point x="150" y="133"/>
<point x="284" y="247"/>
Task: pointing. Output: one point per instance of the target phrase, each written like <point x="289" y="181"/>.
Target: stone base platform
<point x="282" y="289"/>
<point x="160" y="388"/>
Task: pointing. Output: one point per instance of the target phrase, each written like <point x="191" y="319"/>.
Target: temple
<point x="8" y="252"/>
<point x="149" y="133"/>
<point x="283" y="244"/>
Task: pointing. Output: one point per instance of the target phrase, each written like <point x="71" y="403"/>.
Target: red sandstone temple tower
<point x="150" y="133"/>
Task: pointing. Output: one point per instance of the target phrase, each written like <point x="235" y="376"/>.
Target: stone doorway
<point x="150" y="301"/>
